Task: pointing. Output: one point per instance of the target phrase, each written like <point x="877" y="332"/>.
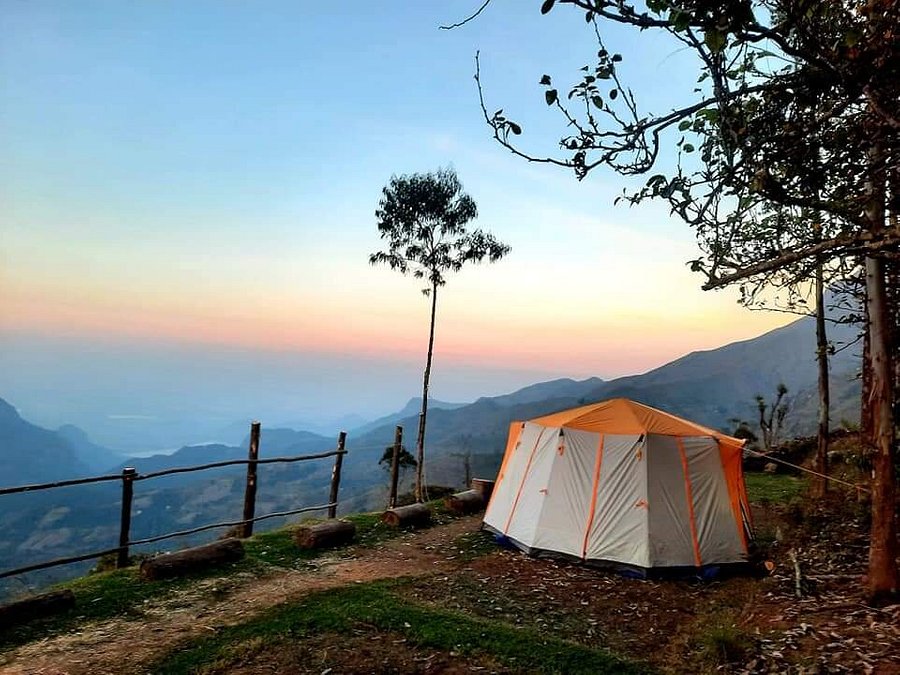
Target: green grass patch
<point x="719" y="640"/>
<point x="773" y="488"/>
<point x="374" y="606"/>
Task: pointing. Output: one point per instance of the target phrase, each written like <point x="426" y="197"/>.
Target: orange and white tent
<point x="621" y="482"/>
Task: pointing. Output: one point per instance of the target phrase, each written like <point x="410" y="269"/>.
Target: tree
<point x="795" y="110"/>
<point x="405" y="460"/>
<point x="423" y="218"/>
<point x="770" y="424"/>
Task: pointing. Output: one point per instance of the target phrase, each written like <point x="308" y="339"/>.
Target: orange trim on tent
<point x="597" y="463"/>
<point x="522" y="484"/>
<point x="511" y="442"/>
<point x="623" y="416"/>
<point x="689" y="492"/>
<point x="734" y="480"/>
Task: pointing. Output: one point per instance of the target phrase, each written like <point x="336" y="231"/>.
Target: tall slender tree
<point x="423" y="218"/>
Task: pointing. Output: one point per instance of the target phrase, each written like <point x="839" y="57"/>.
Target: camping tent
<point x="621" y="482"/>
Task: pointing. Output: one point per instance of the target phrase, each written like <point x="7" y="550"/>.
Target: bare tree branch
<point x="468" y="19"/>
<point x="864" y="242"/>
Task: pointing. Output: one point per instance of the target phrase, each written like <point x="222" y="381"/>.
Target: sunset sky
<point x="187" y="190"/>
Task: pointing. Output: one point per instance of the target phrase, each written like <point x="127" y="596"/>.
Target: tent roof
<point x="624" y="416"/>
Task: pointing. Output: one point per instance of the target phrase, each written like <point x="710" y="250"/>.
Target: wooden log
<point x="192" y="559"/>
<point x="484" y="487"/>
<point x="462" y="503"/>
<point x="414" y="515"/>
<point x="46" y="604"/>
<point x="329" y="534"/>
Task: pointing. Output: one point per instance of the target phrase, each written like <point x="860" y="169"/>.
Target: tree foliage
<point x="405" y="460"/>
<point x="423" y="218"/>
<point x="793" y="99"/>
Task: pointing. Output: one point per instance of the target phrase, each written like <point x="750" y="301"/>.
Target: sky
<point x="187" y="197"/>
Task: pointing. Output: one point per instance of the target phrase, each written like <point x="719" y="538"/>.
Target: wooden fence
<point x="130" y="476"/>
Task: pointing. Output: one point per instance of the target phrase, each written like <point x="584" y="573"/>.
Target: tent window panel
<point x="619" y="529"/>
<point x="528" y="503"/>
<point x="505" y="492"/>
<point x="671" y="542"/>
<point x="569" y="489"/>
<point x="717" y="533"/>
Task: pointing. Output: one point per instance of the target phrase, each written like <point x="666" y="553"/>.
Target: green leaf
<point x="852" y="37"/>
<point x="616" y="58"/>
<point x="685" y="125"/>
<point x="515" y="128"/>
<point x="545" y="80"/>
<point x="613" y="93"/>
<point x="687" y="147"/>
<point x="550" y="96"/>
<point x="714" y="39"/>
<point x="547" y="6"/>
<point x="597" y="101"/>
<point x="680" y="20"/>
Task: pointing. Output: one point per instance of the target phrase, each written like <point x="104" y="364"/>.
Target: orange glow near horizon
<point x="540" y="335"/>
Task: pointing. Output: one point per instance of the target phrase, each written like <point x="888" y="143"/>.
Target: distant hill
<point x="711" y="387"/>
<point x="32" y="454"/>
<point x="93" y="456"/>
<point x="412" y="408"/>
<point x="543" y="391"/>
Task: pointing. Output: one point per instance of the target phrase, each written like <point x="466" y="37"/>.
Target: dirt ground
<point x="741" y="625"/>
<point x="122" y="645"/>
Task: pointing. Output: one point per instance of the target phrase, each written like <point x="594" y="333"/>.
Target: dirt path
<point x="125" y="645"/>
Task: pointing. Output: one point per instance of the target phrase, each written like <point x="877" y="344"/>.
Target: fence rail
<point x="130" y="476"/>
<point x="58" y="484"/>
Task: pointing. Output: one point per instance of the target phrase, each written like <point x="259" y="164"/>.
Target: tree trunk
<point x="821" y="484"/>
<point x="466" y="502"/>
<point x="420" y="439"/>
<point x="168" y="565"/>
<point x="414" y="515"/>
<point x="884" y="579"/>
<point x="46" y="604"/>
<point x="330" y="534"/>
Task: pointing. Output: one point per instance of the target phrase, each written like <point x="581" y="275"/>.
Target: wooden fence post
<point x="128" y="476"/>
<point x="336" y="474"/>
<point x="250" y="489"/>
<point x="395" y="466"/>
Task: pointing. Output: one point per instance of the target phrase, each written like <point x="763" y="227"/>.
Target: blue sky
<point x="201" y="178"/>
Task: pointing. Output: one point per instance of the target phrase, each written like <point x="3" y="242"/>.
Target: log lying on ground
<point x="462" y="503"/>
<point x="329" y="534"/>
<point x="192" y="559"/>
<point x="414" y="515"/>
<point x="46" y="604"/>
<point x="483" y="487"/>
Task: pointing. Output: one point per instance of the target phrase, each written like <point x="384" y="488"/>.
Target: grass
<point x="773" y="488"/>
<point x="122" y="593"/>
<point x="724" y="643"/>
<point x="375" y="606"/>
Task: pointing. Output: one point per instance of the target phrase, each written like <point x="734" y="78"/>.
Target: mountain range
<point x="712" y="387"/>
